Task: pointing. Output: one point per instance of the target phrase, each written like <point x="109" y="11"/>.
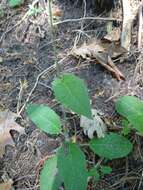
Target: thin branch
<point x="140" y="27"/>
<point x="87" y="18"/>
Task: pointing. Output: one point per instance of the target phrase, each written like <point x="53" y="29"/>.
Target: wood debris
<point x="103" y="52"/>
<point x="130" y="10"/>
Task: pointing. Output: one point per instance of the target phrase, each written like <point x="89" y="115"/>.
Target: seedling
<point x="69" y="165"/>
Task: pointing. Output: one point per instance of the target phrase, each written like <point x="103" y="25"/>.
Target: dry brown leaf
<point x="57" y="12"/>
<point x="114" y="35"/>
<point x="96" y="47"/>
<point x="101" y="51"/>
<point x="7" y="122"/>
<point x="6" y="185"/>
<point x="88" y="50"/>
<point x="91" y="125"/>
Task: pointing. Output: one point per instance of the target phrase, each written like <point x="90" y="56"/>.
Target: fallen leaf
<point x="95" y="47"/>
<point x="6" y="185"/>
<point x="56" y="11"/>
<point x="114" y="35"/>
<point x="91" y="125"/>
<point x="103" y="52"/>
<point x="7" y="122"/>
<point x="88" y="49"/>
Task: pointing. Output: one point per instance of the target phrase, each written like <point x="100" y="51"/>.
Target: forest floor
<point x="27" y="58"/>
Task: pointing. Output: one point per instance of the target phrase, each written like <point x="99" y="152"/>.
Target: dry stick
<point x="31" y="92"/>
<point x="140" y="183"/>
<point x="118" y="72"/>
<point x="36" y="83"/>
<point x="87" y="18"/>
<point x="140" y="26"/>
<point x="127" y="178"/>
<point x="77" y="38"/>
<point x="110" y="67"/>
<point x="20" y="96"/>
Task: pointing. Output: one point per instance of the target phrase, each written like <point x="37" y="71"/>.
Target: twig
<point x="140" y="26"/>
<point x="126" y="179"/>
<point x="140" y="183"/>
<point x="23" y="85"/>
<point x="34" y="87"/>
<point x="87" y="18"/>
<point x="77" y="38"/>
<point x="117" y="71"/>
<point x="36" y="83"/>
<point x="110" y="66"/>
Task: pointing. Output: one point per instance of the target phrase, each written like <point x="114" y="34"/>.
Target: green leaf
<point x="94" y="173"/>
<point x="34" y="11"/>
<point x="111" y="146"/>
<point x="49" y="178"/>
<point x="131" y="108"/>
<point x="72" y="93"/>
<point x="72" y="167"/>
<point x="126" y="127"/>
<point x="15" y="3"/>
<point x="44" y="118"/>
<point x="106" y="169"/>
<point x="58" y="181"/>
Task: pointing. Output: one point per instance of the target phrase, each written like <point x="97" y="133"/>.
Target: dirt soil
<point x="26" y="50"/>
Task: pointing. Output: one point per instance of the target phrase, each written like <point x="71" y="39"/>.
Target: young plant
<point x="68" y="166"/>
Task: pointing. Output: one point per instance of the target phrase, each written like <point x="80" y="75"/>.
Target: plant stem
<point x="58" y="69"/>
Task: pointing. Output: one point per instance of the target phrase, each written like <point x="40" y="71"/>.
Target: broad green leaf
<point x="111" y="146"/>
<point x="49" y="175"/>
<point x="58" y="181"/>
<point x="72" y="93"/>
<point x="44" y="118"/>
<point x="15" y="3"/>
<point x="106" y="169"/>
<point x="131" y="108"/>
<point x="72" y="167"/>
